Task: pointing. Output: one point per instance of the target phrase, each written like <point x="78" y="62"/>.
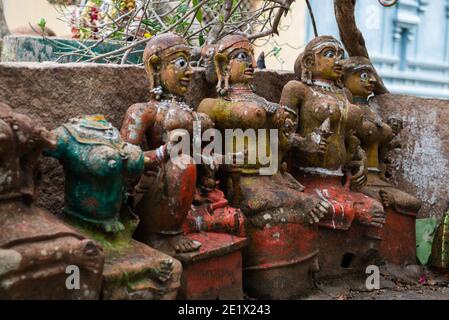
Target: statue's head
<point x="321" y="59"/>
<point x="359" y="76"/>
<point x="167" y="61"/>
<point x="235" y="56"/>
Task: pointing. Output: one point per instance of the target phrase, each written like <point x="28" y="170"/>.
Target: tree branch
<point x="4" y="31"/>
<point x="351" y="36"/>
<point x="225" y="14"/>
<point x="277" y="19"/>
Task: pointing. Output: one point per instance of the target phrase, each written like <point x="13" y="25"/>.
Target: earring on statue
<point x="339" y="83"/>
<point x="306" y="76"/>
<point x="157" y="90"/>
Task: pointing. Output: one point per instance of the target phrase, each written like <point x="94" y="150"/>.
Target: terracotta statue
<point x="378" y="138"/>
<point x="99" y="166"/>
<point x="37" y="249"/>
<point x="167" y="190"/>
<point x="329" y="119"/>
<point x="283" y="247"/>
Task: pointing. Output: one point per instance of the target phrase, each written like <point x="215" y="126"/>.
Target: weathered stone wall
<point x="54" y="93"/>
<point x="423" y="162"/>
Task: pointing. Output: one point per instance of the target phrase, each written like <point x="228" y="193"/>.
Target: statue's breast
<point x="178" y="118"/>
<point x="374" y="130"/>
<point x="318" y="109"/>
<point x="240" y="115"/>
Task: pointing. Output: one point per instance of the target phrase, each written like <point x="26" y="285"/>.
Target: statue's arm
<point x="58" y="150"/>
<point x="138" y="118"/>
<point x="208" y="106"/>
<point x="293" y="95"/>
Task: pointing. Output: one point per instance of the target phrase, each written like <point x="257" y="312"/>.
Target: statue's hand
<point x="359" y="169"/>
<point x="396" y="125"/>
<point x="318" y="212"/>
<point x="175" y="137"/>
<point x="313" y="143"/>
<point x="47" y="139"/>
<point x="387" y="199"/>
<point x="288" y="127"/>
<point x="388" y="167"/>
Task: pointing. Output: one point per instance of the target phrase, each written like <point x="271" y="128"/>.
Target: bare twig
<point x="312" y="17"/>
<point x="4" y="31"/>
<point x="220" y="17"/>
<point x="277" y="20"/>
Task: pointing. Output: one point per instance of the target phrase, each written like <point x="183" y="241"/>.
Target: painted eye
<point x="329" y="54"/>
<point x="181" y="63"/>
<point x="364" y="76"/>
<point x="241" y="56"/>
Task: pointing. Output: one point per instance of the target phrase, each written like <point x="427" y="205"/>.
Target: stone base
<point x="398" y="244"/>
<point x="129" y="274"/>
<point x="281" y="283"/>
<point x="346" y="252"/>
<point x="42" y="258"/>
<point x="280" y="258"/>
<point x="215" y="270"/>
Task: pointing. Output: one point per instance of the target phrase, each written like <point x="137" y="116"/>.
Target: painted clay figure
<point x="36" y="248"/>
<point x="283" y="247"/>
<point x="166" y="191"/>
<point x="98" y="167"/>
<point x="327" y="117"/>
<point x="377" y="138"/>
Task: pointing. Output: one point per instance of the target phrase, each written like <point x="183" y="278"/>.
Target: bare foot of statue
<point x="172" y="244"/>
<point x="112" y="227"/>
<point x="182" y="244"/>
<point x="163" y="270"/>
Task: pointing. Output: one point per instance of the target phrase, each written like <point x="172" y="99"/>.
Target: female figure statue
<point x="327" y="117"/>
<point x="35" y="247"/>
<point x="377" y="138"/>
<point x="283" y="248"/>
<point x="98" y="167"/>
<point x="167" y="190"/>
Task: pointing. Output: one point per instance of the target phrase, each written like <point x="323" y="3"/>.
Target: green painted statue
<point x="99" y="166"/>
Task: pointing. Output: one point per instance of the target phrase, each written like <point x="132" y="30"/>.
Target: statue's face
<point x="241" y="65"/>
<point x="328" y="63"/>
<point x="361" y="83"/>
<point x="176" y="73"/>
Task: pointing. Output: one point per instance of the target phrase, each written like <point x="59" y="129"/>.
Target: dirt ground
<point x="396" y="283"/>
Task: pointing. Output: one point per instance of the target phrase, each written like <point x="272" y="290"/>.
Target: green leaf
<point x="42" y="23"/>
<point x="201" y="39"/>
<point x="277" y="51"/>
<point x="199" y="13"/>
<point x="183" y="8"/>
<point x="425" y="232"/>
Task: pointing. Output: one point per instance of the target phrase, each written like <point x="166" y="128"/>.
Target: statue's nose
<point x="189" y="72"/>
